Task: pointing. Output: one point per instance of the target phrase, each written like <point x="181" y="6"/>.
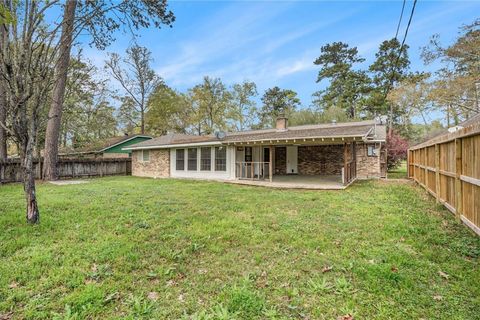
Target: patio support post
<point x="270" y="165"/>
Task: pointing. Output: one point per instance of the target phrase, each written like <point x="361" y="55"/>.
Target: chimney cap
<point x="281" y="123"/>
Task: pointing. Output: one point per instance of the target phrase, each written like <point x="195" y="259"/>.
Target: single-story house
<point x="336" y="153"/>
<point x="109" y="148"/>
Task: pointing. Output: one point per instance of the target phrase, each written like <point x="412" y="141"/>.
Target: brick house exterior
<point x="345" y="150"/>
<point x="158" y="165"/>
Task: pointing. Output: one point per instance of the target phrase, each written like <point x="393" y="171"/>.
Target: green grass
<point x="136" y="248"/>
<point x="398" y="173"/>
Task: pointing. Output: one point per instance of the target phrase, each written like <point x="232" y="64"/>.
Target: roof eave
<point x="174" y="145"/>
<point x="119" y="143"/>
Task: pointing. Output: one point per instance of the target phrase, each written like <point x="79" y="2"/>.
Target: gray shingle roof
<point x="347" y="129"/>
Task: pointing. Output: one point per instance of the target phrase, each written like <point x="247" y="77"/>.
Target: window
<point x="145" y="155"/>
<point x="248" y="154"/>
<point x="371" y="152"/>
<point x="206" y="159"/>
<point x="220" y="159"/>
<point x="180" y="159"/>
<point x="192" y="159"/>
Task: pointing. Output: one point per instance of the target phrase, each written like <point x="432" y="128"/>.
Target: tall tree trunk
<point x="142" y="125"/>
<point x="3" y="101"/>
<point x="3" y="117"/>
<point x="55" y="113"/>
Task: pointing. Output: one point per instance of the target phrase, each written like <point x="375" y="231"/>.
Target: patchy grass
<point x="136" y="248"/>
<point x="398" y="173"/>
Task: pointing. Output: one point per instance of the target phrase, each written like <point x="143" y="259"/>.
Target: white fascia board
<point x="296" y="138"/>
<point x="172" y="146"/>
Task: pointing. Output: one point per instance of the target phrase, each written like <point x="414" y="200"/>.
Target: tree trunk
<point x="3" y="117"/>
<point x="3" y="103"/>
<point x="26" y="156"/>
<point x="55" y="113"/>
<point x="142" y="125"/>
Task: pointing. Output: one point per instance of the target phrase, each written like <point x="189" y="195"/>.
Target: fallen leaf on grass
<point x="438" y="298"/>
<point x="346" y="317"/>
<point x="394" y="269"/>
<point x="13" y="285"/>
<point x="443" y="275"/>
<point x="327" y="269"/>
<point x="6" y="316"/>
<point x="153" y="296"/>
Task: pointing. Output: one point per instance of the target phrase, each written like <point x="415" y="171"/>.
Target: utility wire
<point x="395" y="66"/>
<point x="400" y="20"/>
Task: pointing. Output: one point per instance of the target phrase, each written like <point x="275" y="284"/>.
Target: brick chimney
<point x="282" y="123"/>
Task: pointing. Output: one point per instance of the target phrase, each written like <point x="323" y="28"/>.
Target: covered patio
<point x="305" y="165"/>
<point x="313" y="182"/>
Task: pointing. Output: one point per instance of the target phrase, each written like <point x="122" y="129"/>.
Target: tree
<point x="390" y="67"/>
<point x="346" y="86"/>
<point x="55" y="114"/>
<point x="167" y="111"/>
<point x="4" y="17"/>
<point x="277" y="102"/>
<point x="456" y="84"/>
<point x="136" y="77"/>
<point x="88" y="116"/>
<point x="397" y="148"/>
<point x="410" y="99"/>
<point x="244" y="108"/>
<point x="211" y="103"/>
<point x="100" y="19"/>
<point x="26" y="67"/>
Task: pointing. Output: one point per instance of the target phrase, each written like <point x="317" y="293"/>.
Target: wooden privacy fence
<point x="449" y="168"/>
<point x="11" y="170"/>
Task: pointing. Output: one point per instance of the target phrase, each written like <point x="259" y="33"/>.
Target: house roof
<point x="361" y="129"/>
<point x="103" y="145"/>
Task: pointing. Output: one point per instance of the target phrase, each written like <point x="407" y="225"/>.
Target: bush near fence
<point x="448" y="167"/>
<point x="11" y="170"/>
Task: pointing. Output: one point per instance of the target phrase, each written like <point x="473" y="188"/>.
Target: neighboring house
<point x="338" y="151"/>
<point x="110" y="148"/>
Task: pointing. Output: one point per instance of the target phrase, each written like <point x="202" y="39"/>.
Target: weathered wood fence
<point x="11" y="171"/>
<point x="448" y="167"/>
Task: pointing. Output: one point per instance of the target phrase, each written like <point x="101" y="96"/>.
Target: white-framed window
<point x="180" y="159"/>
<point x="220" y="159"/>
<point x="205" y="159"/>
<point x="371" y="151"/>
<point x="143" y="156"/>
<point x="192" y="159"/>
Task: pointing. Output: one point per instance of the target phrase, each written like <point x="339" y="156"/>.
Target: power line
<point x="400" y="20"/>
<point x="395" y="66"/>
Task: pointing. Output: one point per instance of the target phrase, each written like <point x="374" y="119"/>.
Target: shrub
<point x="397" y="148"/>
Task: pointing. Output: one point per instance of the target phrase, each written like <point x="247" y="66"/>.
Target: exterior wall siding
<point x="320" y="160"/>
<point x="367" y="166"/>
<point x="157" y="167"/>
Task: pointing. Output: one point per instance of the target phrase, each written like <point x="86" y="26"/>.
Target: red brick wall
<point x="280" y="160"/>
<point x="320" y="160"/>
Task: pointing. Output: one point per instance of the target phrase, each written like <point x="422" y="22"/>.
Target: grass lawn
<point x="134" y="248"/>
<point x="398" y="173"/>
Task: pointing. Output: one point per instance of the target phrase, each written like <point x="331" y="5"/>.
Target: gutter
<point x="169" y="146"/>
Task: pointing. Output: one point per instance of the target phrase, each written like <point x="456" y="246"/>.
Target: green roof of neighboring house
<point x="116" y="146"/>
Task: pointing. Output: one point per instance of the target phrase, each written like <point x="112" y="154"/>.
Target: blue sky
<point x="274" y="43"/>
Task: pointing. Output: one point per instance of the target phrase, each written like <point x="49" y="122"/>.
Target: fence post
<point x="437" y="172"/>
<point x="458" y="182"/>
